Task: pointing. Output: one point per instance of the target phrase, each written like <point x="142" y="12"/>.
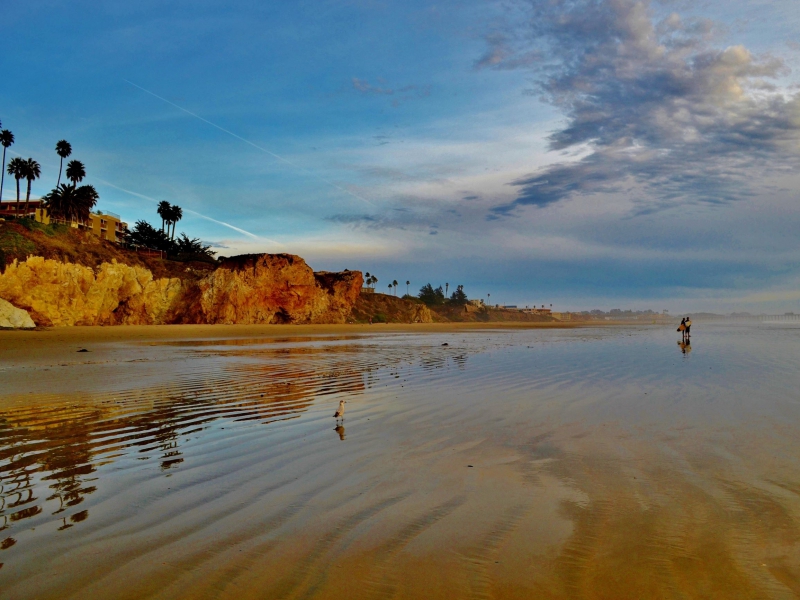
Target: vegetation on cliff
<point x="436" y="297"/>
<point x="24" y="237"/>
<point x="184" y="248"/>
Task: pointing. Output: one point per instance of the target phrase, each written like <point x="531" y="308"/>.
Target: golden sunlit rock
<point x="249" y="289"/>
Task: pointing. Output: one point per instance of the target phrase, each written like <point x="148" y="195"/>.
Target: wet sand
<point x="31" y="342"/>
<point x="513" y="463"/>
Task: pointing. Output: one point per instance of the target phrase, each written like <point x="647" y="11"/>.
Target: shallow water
<point x="596" y="463"/>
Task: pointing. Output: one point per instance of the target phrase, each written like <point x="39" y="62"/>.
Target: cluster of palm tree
<point x="370" y="280"/>
<point x="182" y="248"/>
<point x="24" y="168"/>
<point x="170" y="214"/>
<point x="19" y="168"/>
<point x="65" y="201"/>
<point x="70" y="201"/>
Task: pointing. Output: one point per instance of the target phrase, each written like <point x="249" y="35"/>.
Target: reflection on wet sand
<point x="339" y="429"/>
<point x="65" y="442"/>
<point x="540" y="464"/>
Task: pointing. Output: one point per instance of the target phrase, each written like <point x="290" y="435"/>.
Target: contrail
<point x="138" y="195"/>
<point x="254" y="145"/>
<point x="194" y="212"/>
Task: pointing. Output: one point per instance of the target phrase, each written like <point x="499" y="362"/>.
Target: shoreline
<point x="117" y="332"/>
<point x="21" y="345"/>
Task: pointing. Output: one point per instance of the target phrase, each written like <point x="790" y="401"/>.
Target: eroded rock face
<point x="63" y="294"/>
<point x="11" y="316"/>
<point x="276" y="288"/>
<point x="269" y="288"/>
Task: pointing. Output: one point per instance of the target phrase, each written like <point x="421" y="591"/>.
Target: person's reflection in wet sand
<point x="340" y="430"/>
<point x="685" y="346"/>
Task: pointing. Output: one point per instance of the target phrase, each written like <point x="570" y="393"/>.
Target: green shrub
<point x="48" y="230"/>
<point x="58" y="228"/>
<point x="13" y="243"/>
<point x="379" y="318"/>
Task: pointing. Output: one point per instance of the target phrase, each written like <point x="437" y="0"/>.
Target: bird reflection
<point x="340" y="430"/>
<point x="685" y="346"/>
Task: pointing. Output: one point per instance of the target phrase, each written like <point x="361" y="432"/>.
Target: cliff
<point x="275" y="288"/>
<point x="248" y="289"/>
<point x="382" y="308"/>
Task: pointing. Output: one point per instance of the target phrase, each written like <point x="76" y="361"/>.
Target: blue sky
<point x="585" y="153"/>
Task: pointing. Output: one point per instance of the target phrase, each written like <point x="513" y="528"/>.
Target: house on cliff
<point x="104" y="224"/>
<point x="8" y="209"/>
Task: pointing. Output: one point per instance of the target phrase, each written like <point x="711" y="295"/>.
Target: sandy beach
<point x="473" y="462"/>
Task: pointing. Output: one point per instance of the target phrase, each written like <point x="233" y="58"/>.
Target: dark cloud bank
<point x="670" y="118"/>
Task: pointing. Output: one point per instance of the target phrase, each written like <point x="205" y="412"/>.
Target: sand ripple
<point x="558" y="464"/>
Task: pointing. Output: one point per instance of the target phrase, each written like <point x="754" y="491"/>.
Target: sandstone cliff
<point x="248" y="289"/>
<point x="275" y="288"/>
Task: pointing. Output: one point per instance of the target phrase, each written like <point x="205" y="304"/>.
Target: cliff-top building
<point x="104" y="224"/>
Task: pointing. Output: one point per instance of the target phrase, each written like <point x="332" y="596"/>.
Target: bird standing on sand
<point x="339" y="414"/>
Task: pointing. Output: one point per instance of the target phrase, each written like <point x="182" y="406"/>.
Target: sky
<point x="581" y="153"/>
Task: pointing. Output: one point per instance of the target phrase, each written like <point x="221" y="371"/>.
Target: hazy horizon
<point x="589" y="154"/>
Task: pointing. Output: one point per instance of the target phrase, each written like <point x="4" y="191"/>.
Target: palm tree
<point x="87" y="197"/>
<point x="62" y="202"/>
<point x="390" y="286"/>
<point x="32" y="171"/>
<point x="16" y="167"/>
<point x="7" y="139"/>
<point x="75" y="172"/>
<point x="176" y="214"/>
<point x="446" y="287"/>
<point x="408" y="283"/>
<point x="63" y="149"/>
<point x="163" y="212"/>
<point x="394" y="283"/>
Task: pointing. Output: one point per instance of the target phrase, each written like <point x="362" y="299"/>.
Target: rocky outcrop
<point x="16" y="318"/>
<point x="63" y="294"/>
<point x="247" y="289"/>
<point x="275" y="288"/>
